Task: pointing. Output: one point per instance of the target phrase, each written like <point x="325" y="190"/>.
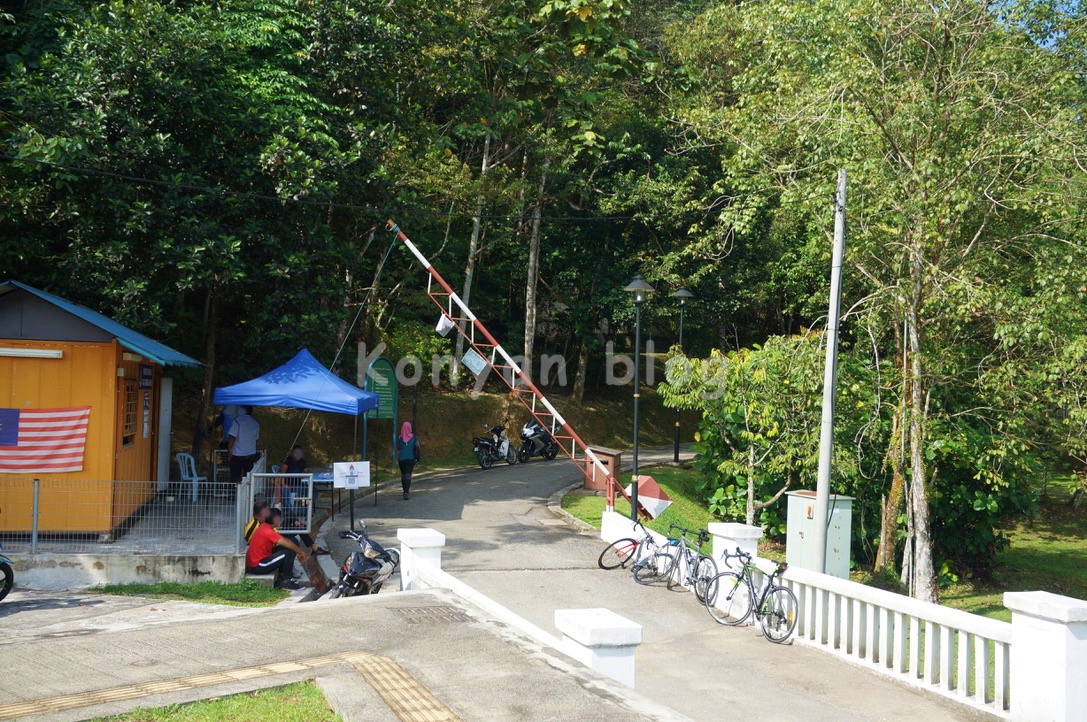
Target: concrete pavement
<point x="503" y="541"/>
<point x="407" y="656"/>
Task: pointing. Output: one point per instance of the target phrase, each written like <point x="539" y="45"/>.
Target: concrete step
<point x="264" y="580"/>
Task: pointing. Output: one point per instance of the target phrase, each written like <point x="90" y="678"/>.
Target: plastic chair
<point x="187" y="464"/>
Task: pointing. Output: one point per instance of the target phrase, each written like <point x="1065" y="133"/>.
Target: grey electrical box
<point x="800" y="535"/>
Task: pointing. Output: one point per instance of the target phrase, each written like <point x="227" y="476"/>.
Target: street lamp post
<point x="682" y="295"/>
<point x="641" y="291"/>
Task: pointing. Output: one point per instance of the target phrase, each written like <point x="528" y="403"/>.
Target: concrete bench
<point x="264" y="580"/>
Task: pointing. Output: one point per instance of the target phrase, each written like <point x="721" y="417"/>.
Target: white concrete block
<point x="601" y="640"/>
<point x="419" y="547"/>
<point x="598" y="627"/>
<point x="727" y="536"/>
<point x="1049" y="654"/>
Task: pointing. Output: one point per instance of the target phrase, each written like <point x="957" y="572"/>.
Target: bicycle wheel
<point x="728" y="599"/>
<point x="778" y="614"/>
<point x="705" y="569"/>
<point x="617" y="554"/>
<point x="654" y="568"/>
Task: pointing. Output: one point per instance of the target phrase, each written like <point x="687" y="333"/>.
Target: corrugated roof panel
<point x="132" y="340"/>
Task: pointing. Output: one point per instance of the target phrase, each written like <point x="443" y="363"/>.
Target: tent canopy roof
<point x="301" y="383"/>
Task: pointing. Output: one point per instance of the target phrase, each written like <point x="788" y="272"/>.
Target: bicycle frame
<point x="773" y="606"/>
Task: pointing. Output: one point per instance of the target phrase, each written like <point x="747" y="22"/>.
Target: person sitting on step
<point x="272" y="553"/>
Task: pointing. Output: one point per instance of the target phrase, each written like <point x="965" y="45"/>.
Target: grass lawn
<point x="245" y="593"/>
<point x="299" y="702"/>
<point x="1046" y="554"/>
<point x="678" y="482"/>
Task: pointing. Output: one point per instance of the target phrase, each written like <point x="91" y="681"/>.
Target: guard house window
<point x="128" y="434"/>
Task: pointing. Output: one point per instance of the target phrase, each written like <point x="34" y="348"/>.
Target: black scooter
<point x="536" y="441"/>
<point x="365" y="570"/>
<point x="493" y="448"/>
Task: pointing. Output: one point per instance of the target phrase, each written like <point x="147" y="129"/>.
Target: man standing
<point x="242" y="444"/>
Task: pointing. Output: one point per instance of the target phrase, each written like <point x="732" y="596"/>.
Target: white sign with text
<point x="351" y="474"/>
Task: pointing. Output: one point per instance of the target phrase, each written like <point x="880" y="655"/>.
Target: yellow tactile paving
<point x="406" y="697"/>
<point x="409" y="700"/>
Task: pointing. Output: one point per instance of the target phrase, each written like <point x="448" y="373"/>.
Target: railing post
<point x="729" y="535"/>
<point x="601" y="640"/>
<point x="35" y="508"/>
<point x="419" y="547"/>
<point x="1049" y="654"/>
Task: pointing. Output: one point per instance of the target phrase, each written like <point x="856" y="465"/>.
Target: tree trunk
<point x="211" y="326"/>
<point x="924" y="575"/>
<point x="896" y="459"/>
<point x="582" y="371"/>
<point x="533" y="271"/>
<point x="470" y="269"/>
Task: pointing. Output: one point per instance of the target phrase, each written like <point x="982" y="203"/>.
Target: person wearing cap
<point x="270" y="552"/>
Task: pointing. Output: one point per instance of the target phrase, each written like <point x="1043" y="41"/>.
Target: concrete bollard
<point x="1049" y="654"/>
<point x="729" y="535"/>
<point x="418" y="547"/>
<point x="601" y="640"/>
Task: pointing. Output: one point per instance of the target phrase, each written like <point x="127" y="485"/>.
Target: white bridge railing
<point x="950" y="651"/>
<point x="1027" y="671"/>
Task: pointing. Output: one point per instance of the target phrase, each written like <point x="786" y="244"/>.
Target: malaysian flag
<point x="42" y="440"/>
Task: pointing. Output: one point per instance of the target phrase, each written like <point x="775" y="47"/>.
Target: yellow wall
<point x="86" y="376"/>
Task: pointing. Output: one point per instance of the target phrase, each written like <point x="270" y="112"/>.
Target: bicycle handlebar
<point x="703" y="535"/>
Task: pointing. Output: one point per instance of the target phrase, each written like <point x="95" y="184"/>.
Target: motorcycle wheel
<point x="9" y="579"/>
<point x="511" y="456"/>
<point x="335" y="593"/>
<point x="524" y="454"/>
<point x="485" y="459"/>
<point x="552" y="452"/>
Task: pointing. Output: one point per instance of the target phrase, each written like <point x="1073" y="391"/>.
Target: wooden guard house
<point x="55" y="354"/>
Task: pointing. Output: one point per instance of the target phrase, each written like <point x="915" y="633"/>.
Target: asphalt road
<point x="503" y="541"/>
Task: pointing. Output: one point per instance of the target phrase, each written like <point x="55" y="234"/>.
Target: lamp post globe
<point x="641" y="290"/>
<point x="681" y="295"/>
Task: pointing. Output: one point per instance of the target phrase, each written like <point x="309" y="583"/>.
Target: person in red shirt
<point x="269" y="551"/>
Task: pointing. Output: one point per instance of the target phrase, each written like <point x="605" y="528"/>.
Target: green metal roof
<point x="132" y="340"/>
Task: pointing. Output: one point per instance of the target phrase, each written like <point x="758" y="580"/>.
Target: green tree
<point x="959" y="131"/>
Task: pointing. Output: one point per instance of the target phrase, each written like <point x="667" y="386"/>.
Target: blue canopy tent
<point x="301" y="383"/>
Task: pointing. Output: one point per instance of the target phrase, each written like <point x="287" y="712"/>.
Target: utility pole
<point x="830" y="379"/>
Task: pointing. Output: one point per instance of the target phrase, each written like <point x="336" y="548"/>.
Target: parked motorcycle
<point x="8" y="575"/>
<point x="536" y="441"/>
<point x="494" y="448"/>
<point x="365" y="570"/>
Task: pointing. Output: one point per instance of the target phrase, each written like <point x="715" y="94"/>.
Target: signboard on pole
<point x="350" y="474"/>
<point x="381" y="380"/>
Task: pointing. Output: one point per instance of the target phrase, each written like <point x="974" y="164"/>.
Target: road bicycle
<point x="696" y="569"/>
<point x="621" y="551"/>
<point x="732" y="597"/>
<point x="646" y="558"/>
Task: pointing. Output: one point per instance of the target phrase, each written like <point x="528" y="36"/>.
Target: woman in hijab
<point x="407" y="447"/>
